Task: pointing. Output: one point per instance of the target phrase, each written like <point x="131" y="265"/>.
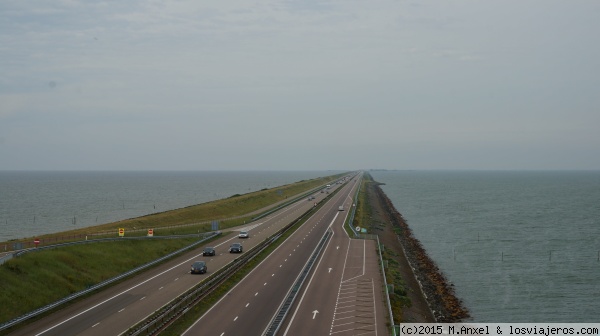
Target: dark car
<point x="199" y="267"/>
<point x="209" y="251"/>
<point x="235" y="248"/>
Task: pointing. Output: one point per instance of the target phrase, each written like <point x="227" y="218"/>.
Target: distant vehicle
<point x="329" y="186"/>
<point x="209" y="251"/>
<point x="236" y="248"/>
<point x="244" y="234"/>
<point x="199" y="267"/>
<point x="341" y="208"/>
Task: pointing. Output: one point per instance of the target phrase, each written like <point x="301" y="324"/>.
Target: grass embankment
<point x="230" y="212"/>
<point x="37" y="279"/>
<point x="364" y="218"/>
<point x="40" y="278"/>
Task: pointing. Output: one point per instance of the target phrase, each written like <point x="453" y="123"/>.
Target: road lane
<point x="249" y="307"/>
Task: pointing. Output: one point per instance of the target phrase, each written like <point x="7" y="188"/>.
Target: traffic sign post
<point x="36" y="242"/>
<point x="121" y="232"/>
<point x="150" y="232"/>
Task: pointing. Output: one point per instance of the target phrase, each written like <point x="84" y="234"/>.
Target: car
<point x="244" y="234"/>
<point x="209" y="251"/>
<point x="199" y="267"/>
<point x="236" y="248"/>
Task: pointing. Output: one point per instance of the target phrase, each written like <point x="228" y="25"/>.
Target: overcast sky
<point x="299" y="85"/>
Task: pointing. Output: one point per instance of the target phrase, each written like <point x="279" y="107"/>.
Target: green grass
<point x="39" y="278"/>
<point x="363" y="218"/>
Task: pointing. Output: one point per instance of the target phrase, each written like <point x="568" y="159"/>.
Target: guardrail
<point x="387" y="291"/>
<point x="12" y="247"/>
<point x="104" y="283"/>
<point x="89" y="241"/>
<point x="291" y="297"/>
<point x="183" y="303"/>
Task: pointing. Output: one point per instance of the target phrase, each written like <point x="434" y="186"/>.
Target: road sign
<point x="150" y="232"/>
<point x="36" y="241"/>
<point x="121" y="232"/>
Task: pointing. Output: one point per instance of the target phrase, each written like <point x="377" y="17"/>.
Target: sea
<point x="40" y="202"/>
<point x="518" y="246"/>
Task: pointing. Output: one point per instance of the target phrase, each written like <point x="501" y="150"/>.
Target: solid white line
<point x="374" y="305"/>
<point x="311" y="278"/>
<point x="117" y="295"/>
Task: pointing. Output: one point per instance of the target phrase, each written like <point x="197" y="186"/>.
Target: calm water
<point x="34" y="203"/>
<point x="518" y="246"/>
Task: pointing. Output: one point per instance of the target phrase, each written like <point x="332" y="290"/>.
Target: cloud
<point x="332" y="75"/>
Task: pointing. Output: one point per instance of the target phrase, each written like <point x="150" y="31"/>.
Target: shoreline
<point x="425" y="281"/>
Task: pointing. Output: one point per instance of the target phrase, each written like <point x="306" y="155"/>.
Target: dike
<point x="444" y="304"/>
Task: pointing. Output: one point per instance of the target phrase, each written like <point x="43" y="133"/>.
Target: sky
<point x="299" y="85"/>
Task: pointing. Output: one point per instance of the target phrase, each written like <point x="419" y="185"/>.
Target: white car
<point x="244" y="234"/>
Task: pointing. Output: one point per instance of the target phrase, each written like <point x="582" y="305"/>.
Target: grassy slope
<point x="39" y="278"/>
<point x="229" y="212"/>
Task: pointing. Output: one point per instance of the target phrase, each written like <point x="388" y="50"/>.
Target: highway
<point x="347" y="272"/>
<point x="114" y="310"/>
<point x="343" y="297"/>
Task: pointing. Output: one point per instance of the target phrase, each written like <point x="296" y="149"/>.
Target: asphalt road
<point x="343" y="297"/>
<point x="114" y="310"/>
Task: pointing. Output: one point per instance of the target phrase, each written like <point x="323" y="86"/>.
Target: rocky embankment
<point x="445" y="306"/>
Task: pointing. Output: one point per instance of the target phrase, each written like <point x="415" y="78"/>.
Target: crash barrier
<point x="291" y="297"/>
<point x="39" y="311"/>
<point x="177" y="308"/>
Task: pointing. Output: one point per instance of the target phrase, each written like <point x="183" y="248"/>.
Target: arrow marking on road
<point x="330" y="269"/>
<point x="315" y="313"/>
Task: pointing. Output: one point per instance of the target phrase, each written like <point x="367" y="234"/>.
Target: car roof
<point x="199" y="262"/>
<point x="236" y="244"/>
